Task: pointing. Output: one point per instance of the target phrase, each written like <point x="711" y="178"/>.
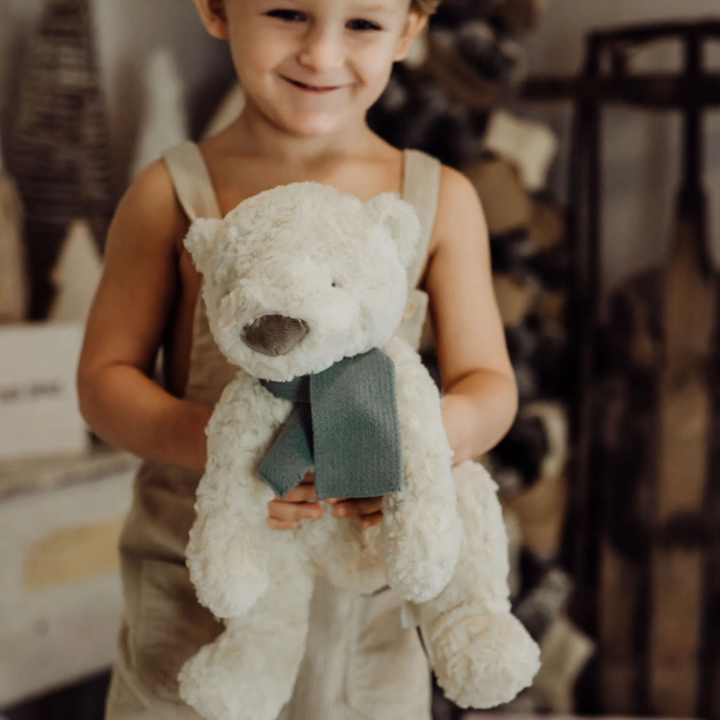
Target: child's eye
<point x="287" y="15"/>
<point x="363" y="25"/>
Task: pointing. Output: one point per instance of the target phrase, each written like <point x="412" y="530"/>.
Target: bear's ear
<point x="201" y="239"/>
<point x="400" y="218"/>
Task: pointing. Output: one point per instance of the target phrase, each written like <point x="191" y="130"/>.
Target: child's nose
<point x="323" y="50"/>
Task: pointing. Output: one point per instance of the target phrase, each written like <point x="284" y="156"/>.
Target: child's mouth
<point x="311" y="88"/>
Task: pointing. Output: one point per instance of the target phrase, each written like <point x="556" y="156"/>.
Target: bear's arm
<point x="426" y="506"/>
<point x="227" y="551"/>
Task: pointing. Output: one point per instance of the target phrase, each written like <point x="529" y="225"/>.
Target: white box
<point x="39" y="411"/>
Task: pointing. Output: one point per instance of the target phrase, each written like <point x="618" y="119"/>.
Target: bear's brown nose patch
<point x="274" y="335"/>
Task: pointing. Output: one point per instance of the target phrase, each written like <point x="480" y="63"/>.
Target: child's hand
<point x="369" y="510"/>
<point x="300" y="503"/>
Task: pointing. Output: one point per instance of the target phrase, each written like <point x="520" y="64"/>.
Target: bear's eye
<point x="335" y="284"/>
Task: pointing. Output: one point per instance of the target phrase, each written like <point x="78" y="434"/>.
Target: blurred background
<point x="589" y="132"/>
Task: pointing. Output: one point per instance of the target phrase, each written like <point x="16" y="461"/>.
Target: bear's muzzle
<point x="274" y="335"/>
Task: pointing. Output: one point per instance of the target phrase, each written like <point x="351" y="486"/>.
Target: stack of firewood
<point x="446" y="99"/>
<point x="530" y="265"/>
<point x="531" y="277"/>
<point x="441" y="98"/>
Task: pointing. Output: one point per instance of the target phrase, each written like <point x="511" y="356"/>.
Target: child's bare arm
<point x="478" y="380"/>
<point x="126" y="326"/>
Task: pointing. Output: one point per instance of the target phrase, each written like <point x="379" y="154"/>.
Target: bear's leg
<point x="481" y="653"/>
<point x="249" y="672"/>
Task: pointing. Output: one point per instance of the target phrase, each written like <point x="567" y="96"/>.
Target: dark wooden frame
<point x="606" y="79"/>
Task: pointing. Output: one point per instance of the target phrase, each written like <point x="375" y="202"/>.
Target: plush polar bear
<point x="298" y="281"/>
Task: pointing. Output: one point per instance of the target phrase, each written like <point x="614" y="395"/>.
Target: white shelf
<point x="60" y="593"/>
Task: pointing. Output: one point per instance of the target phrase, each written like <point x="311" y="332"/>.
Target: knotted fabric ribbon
<point x="346" y="424"/>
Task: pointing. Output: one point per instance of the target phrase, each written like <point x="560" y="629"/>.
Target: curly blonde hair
<point x="425" y="6"/>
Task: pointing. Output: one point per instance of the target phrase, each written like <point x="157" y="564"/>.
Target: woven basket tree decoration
<point x="60" y="147"/>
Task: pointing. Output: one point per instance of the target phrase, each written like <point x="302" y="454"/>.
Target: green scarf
<point x="346" y="424"/>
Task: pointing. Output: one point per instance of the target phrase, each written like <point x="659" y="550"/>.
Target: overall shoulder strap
<point x="192" y="182"/>
<point x="421" y="188"/>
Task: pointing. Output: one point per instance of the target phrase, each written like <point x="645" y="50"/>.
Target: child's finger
<point x="282" y="524"/>
<point x="304" y="492"/>
<point x="280" y="510"/>
<point x="362" y="506"/>
<point x="368" y="521"/>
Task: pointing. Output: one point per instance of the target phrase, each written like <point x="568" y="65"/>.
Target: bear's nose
<point x="274" y="334"/>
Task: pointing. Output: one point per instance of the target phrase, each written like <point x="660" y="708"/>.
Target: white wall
<point x="642" y="151"/>
<point x="127" y="31"/>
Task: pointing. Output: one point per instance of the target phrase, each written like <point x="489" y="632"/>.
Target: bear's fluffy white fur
<point x="308" y="252"/>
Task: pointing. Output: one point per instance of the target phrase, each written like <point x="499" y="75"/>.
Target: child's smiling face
<point x="313" y="66"/>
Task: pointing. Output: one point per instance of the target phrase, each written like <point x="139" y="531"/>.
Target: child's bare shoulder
<point x="141" y="253"/>
<point x="468" y="328"/>
<point x="460" y="218"/>
<point x="149" y="212"/>
<point x="140" y="278"/>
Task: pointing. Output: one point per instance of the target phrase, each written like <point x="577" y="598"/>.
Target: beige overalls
<point x="360" y="664"/>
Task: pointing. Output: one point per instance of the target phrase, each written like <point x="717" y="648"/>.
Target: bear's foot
<point x="228" y="680"/>
<point x="483" y="660"/>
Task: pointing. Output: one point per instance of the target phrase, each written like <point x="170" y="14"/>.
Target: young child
<point x="310" y="70"/>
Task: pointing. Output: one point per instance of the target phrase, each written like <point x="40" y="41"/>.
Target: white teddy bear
<point x="305" y="282"/>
